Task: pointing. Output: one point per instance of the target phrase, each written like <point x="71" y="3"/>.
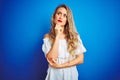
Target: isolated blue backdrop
<point x="23" y="24"/>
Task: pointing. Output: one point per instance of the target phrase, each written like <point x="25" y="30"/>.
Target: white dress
<point x="69" y="73"/>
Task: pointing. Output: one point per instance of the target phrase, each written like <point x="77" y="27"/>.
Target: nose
<point x="61" y="16"/>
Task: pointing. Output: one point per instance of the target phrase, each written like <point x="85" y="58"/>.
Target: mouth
<point x="59" y="20"/>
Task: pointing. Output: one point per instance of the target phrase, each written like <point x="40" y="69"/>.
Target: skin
<point x="61" y="14"/>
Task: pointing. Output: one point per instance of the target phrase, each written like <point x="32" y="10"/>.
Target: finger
<point x="56" y="27"/>
<point x="60" y="30"/>
<point x="49" y="61"/>
<point x="54" y="61"/>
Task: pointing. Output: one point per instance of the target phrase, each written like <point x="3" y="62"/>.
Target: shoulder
<point x="77" y="36"/>
<point x="46" y="35"/>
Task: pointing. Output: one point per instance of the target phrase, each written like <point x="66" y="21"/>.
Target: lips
<point x="59" y="20"/>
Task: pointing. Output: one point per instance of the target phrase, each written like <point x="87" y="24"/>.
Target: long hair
<point x="69" y="30"/>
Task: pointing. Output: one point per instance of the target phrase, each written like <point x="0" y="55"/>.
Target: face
<point x="60" y="16"/>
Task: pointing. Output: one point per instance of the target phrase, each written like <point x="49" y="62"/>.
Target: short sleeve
<point x="80" y="49"/>
<point x="46" y="45"/>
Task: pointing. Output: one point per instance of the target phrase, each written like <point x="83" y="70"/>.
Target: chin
<point x="59" y="23"/>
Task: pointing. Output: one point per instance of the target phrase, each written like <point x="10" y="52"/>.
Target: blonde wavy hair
<point x="69" y="30"/>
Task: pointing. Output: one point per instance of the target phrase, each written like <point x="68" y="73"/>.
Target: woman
<point x="62" y="46"/>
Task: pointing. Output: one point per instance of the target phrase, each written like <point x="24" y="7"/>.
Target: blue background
<point x="23" y="24"/>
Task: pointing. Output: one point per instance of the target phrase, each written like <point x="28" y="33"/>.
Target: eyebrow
<point x="61" y="12"/>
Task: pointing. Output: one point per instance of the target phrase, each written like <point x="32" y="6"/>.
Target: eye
<point x="58" y="13"/>
<point x="65" y="15"/>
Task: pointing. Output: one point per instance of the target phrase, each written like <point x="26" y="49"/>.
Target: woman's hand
<point x="58" y="29"/>
<point x="53" y="63"/>
<point x="78" y="60"/>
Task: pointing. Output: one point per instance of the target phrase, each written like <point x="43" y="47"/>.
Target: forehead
<point x="62" y="10"/>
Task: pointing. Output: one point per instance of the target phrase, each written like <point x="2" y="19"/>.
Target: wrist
<point x="57" y="37"/>
<point x="65" y="65"/>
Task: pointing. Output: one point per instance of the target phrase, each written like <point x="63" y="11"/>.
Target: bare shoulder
<point x="46" y="35"/>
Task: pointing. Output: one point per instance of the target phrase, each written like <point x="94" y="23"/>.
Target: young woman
<point x="62" y="46"/>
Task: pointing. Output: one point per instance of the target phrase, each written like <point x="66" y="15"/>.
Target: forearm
<point x="54" y="49"/>
<point x="78" y="60"/>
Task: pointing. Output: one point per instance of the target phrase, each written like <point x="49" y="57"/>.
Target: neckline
<point x="62" y="39"/>
<point x="59" y="39"/>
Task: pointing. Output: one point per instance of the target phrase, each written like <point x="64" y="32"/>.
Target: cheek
<point x="56" y="18"/>
<point x="65" y="20"/>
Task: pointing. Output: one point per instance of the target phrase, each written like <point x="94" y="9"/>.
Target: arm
<point x="53" y="53"/>
<point x="78" y="60"/>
